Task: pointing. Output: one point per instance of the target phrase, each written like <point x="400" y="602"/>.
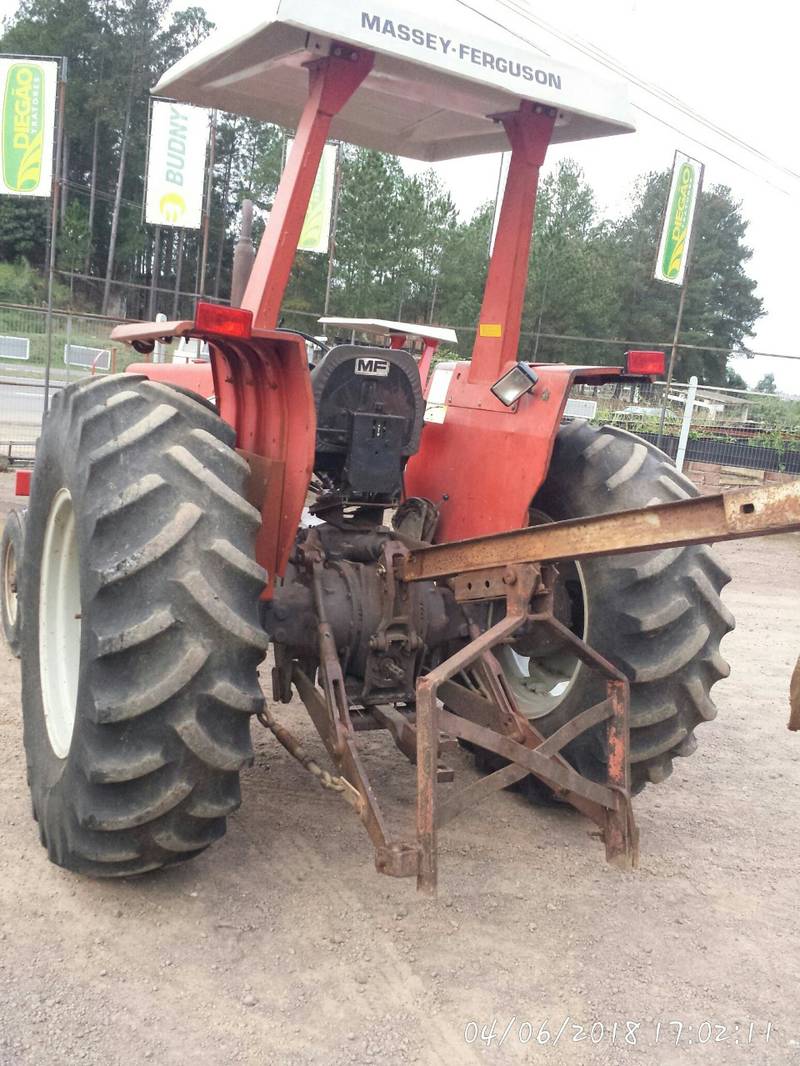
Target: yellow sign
<point x="490" y="329"/>
<point x="678" y="220"/>
<point x="28" y="115"/>
<point x="315" y="233"/>
<point x="175" y="166"/>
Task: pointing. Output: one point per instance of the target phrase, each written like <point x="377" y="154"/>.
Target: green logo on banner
<point x="678" y="223"/>
<point x="23" y="127"/>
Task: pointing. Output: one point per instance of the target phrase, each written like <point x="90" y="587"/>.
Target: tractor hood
<point x="441" y="72"/>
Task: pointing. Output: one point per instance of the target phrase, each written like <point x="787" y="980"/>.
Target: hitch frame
<point x="517" y="568"/>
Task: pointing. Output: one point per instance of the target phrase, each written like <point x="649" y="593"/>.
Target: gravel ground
<point x="282" y="945"/>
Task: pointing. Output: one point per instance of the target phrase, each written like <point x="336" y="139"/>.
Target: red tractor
<point x="468" y="578"/>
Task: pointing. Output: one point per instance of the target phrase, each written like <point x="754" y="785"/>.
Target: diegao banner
<point x="28" y="125"/>
<point x="673" y="248"/>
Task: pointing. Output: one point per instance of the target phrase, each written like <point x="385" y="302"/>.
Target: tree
<point x="767" y="384"/>
<point x="571" y="279"/>
<point x="721" y="306"/>
<point x="401" y="250"/>
<point x="734" y="380"/>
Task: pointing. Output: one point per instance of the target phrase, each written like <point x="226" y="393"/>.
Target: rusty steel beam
<point x="727" y="516"/>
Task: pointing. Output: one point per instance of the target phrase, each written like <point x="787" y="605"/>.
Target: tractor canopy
<point x="440" y="76"/>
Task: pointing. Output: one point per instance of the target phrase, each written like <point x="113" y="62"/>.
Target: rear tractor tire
<point x="656" y="615"/>
<point x="11" y="549"/>
<point x="140" y="638"/>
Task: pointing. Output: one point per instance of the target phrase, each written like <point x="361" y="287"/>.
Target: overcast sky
<point x="736" y="64"/>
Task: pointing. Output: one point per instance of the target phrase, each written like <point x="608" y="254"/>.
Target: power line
<point x="617" y="342"/>
<point x="602" y="57"/>
<point x="654" y="90"/>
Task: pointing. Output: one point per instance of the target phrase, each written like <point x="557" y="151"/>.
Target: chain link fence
<point x="81" y="345"/>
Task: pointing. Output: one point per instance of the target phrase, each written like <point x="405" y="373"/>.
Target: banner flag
<point x="673" y="248"/>
<point x="176" y="165"/>
<point x="28" y="126"/>
<point x="316" y="231"/>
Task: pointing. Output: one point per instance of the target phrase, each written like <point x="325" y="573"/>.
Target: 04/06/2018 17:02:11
<point x="629" y="1032"/>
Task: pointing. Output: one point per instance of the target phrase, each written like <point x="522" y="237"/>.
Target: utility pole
<point x="51" y="265"/>
<point x="207" y="210"/>
<point x="681" y="302"/>
<point x="337" y="183"/>
<point x="154" y="272"/>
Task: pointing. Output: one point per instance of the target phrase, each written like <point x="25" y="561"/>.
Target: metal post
<point x="178" y="271"/>
<point x="529" y="130"/>
<point x="151" y="303"/>
<point x="207" y="211"/>
<point x="68" y="346"/>
<point x="687" y="422"/>
<point x="501" y="173"/>
<point x="160" y="350"/>
<point x="244" y="255"/>
<point x="679" y="320"/>
<point x="337" y="182"/>
<point x="51" y="267"/>
<point x="671" y="368"/>
<point x="333" y="80"/>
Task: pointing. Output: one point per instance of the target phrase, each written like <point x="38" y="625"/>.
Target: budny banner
<point x="673" y="249"/>
<point x="28" y="118"/>
<point x="315" y="234"/>
<point x="176" y="165"/>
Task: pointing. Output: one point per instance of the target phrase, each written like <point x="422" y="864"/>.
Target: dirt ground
<point x="282" y="945"/>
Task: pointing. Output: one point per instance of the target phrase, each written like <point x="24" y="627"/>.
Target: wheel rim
<point x="542" y="681"/>
<point x="60" y="623"/>
<point x="10" y="584"/>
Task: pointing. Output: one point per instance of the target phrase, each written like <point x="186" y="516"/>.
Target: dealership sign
<point x="315" y="235"/>
<point x="176" y="165"/>
<point x="673" y="249"/>
<point x="28" y="121"/>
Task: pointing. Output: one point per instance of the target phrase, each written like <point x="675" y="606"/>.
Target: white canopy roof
<point x="405" y="329"/>
<point x="441" y="70"/>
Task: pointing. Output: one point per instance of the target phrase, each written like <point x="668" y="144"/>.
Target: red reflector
<point x="645" y="363"/>
<point x="231" y="321"/>
<point x="22" y="486"/>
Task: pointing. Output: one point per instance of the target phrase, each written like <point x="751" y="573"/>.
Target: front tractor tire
<point x="140" y="639"/>
<point x="657" y="615"/>
<point x="11" y="550"/>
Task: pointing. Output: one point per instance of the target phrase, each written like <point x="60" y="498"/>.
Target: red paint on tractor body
<point x="197" y="377"/>
<point x="332" y="81"/>
<point x="484" y="464"/>
<point x="262" y="388"/>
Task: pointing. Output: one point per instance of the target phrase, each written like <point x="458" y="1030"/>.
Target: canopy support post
<point x="332" y="81"/>
<point x="496" y="343"/>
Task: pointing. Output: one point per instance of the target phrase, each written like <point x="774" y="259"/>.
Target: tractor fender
<point x="196" y="377"/>
<point x="482" y="463"/>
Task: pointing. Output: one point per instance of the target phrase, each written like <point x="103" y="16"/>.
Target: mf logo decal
<point x="370" y="367"/>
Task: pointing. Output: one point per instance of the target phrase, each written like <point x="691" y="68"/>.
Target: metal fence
<point x="730" y="427"/>
<point x="23" y="342"/>
<point x="21" y="408"/>
<point x="81" y="345"/>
